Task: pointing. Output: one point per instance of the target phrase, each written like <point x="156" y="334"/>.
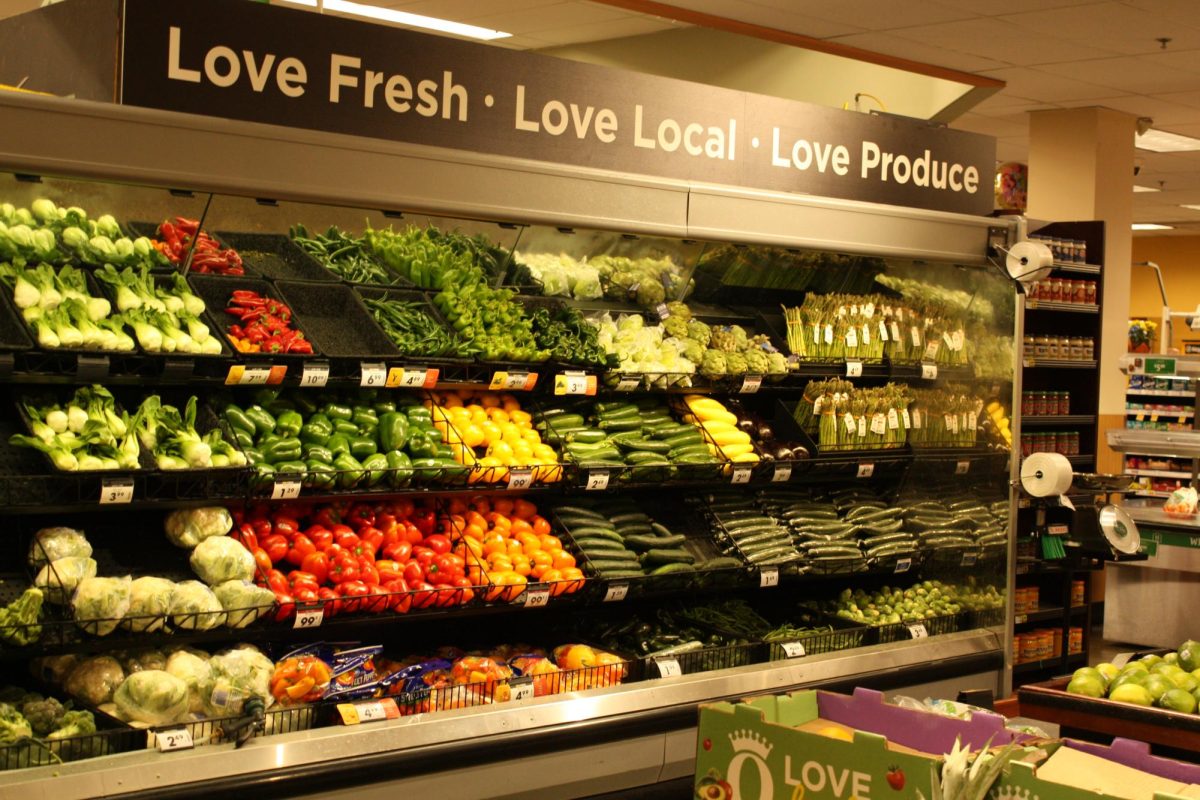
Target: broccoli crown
<point x="680" y="310"/>
<point x="43" y="715"/>
<point x="13" y="726"/>
<point x="18" y="620"/>
<point x="75" y="723"/>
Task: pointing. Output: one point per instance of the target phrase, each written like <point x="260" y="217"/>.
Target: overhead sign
<point x="305" y="70"/>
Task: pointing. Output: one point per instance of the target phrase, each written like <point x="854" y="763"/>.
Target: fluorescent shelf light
<point x="1166" y="142"/>
<point x="1192" y="207"/>
<point x="1137" y="188"/>
<point x="1152" y="226"/>
<point x="406" y="19"/>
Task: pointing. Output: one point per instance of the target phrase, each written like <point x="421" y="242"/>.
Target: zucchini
<point x="637" y="457"/>
<point x="587" y="436"/>
<point x="625" y="519"/>
<point x="649" y="445"/>
<point x="658" y="556"/>
<point x="660" y="529"/>
<point x="597" y="532"/>
<point x="589" y="544"/>
<point x="579" y="511"/>
<point x="623" y="424"/>
<point x="722" y="562"/>
<point x="563" y="421"/>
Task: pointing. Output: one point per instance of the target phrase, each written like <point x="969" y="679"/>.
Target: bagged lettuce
<point x="51" y="544"/>
<point x="244" y="602"/>
<point x="191" y="667"/>
<point x="59" y="578"/>
<point x="100" y="604"/>
<point x="153" y="696"/>
<point x="221" y="559"/>
<point x="149" y="604"/>
<point x="195" y="607"/>
<point x="189" y="527"/>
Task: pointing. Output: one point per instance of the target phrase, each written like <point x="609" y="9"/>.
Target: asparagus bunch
<point x="944" y="417"/>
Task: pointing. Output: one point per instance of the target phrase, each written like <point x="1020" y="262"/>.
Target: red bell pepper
<point x="351" y="592"/>
<point x="300" y="548"/>
<point x="317" y="565"/>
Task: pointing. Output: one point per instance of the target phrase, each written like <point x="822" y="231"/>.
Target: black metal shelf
<point x="1041" y="615"/>
<point x="1048" y="421"/>
<point x="1073" y="308"/>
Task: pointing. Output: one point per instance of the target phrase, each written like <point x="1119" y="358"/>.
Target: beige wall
<point x="1179" y="259"/>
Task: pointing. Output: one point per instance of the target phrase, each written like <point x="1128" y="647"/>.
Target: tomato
<point x="298" y="579"/>
<point x="367" y="573"/>
<point x="424" y="594"/>
<point x="285" y="606"/>
<point x="373" y="538"/>
<point x="320" y="536"/>
<point x="343" y="568"/>
<point x="285" y="525"/>
<point x="262" y="561"/>
<point x="277" y="582"/>
<point x="437" y="543"/>
<point x="399" y="600"/>
<point x="413" y="573"/>
<point x="276" y="546"/>
<point x="316" y="564"/>
<point x="333" y="603"/>
<point x="351" y="591"/>
<point x="301" y="547"/>
<point x="397" y="551"/>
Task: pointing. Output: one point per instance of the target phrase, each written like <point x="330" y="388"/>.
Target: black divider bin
<point x="333" y="317"/>
<point x="276" y="257"/>
<point x="13" y="331"/>
<point x="838" y="635"/>
<point x="216" y="291"/>
<point x="420" y="298"/>
<point x="705" y="659"/>
<point x="111" y="737"/>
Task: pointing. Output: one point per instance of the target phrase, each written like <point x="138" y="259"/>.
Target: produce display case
<point x="653" y="708"/>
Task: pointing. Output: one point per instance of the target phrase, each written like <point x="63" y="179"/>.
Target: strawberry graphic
<point x="895" y="777"/>
<point x="707" y="744"/>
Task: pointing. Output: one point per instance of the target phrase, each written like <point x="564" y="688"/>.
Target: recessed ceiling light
<point x="1137" y="188"/>
<point x="1166" y="142"/>
<point x="406" y="19"/>
<point x="1152" y="226"/>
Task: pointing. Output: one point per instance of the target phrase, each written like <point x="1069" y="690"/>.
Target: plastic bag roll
<point x="1046" y="474"/>
<point x="1029" y="261"/>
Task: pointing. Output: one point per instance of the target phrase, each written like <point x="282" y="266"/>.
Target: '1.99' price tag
<point x="668" y="667"/>
<point x="309" y="616"/>
<point x="520" y="478"/>
<point x="616" y="592"/>
<point x="173" y="739"/>
<point x="792" y="649"/>
<point x="597" y="480"/>
<point x="315" y="375"/>
<point x="116" y="491"/>
<point x="768" y="577"/>
<point x="373" y="375"/>
<point x="285" y="490"/>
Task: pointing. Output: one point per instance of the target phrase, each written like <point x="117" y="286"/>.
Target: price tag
<point x="173" y="739"/>
<point x="597" y="480"/>
<point x="916" y="418"/>
<point x="574" y="383"/>
<point x="1058" y="530"/>
<point x="742" y="474"/>
<point x="751" y="384"/>
<point x="768" y="577"/>
<point x="793" y="362"/>
<point x="1020" y="619"/>
<point x="828" y="334"/>
<point x="520" y="689"/>
<point x="970" y="559"/>
<point x="537" y="597"/>
<point x="309" y="616"/>
<point x="893" y="419"/>
<point x="865" y="470"/>
<point x="962" y="467"/>
<point x="1154" y="417"/>
<point x="368" y="711"/>
<point x="513" y="381"/>
<point x="792" y="649"/>
<point x="878" y="424"/>
<point x="314" y="375"/>
<point x="853" y="369"/>
<point x="285" y="490"/>
<point x="972" y="420"/>
<point x="916" y="336"/>
<point x="668" y="667"/>
<point x="616" y="592"/>
<point x="917" y="631"/>
<point x="782" y="473"/>
<point x="929" y="372"/>
<point x="520" y="478"/>
<point x="662" y="311"/>
<point x="852" y="337"/>
<point x="412" y="378"/>
<point x="373" y="375"/>
<point x="883" y="331"/>
<point x="245" y="375"/>
<point x="931" y="350"/>
<point x="903" y="565"/>
<point x="116" y="490"/>
<point x="627" y="383"/>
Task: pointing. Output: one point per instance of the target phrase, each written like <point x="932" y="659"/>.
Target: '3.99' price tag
<point x="116" y="491"/>
<point x="917" y="631"/>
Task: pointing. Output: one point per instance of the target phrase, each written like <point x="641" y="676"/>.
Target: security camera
<point x="1137" y="166"/>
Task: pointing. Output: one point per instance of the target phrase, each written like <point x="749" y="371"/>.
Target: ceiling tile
<point x="1013" y="126"/>
<point x="892" y="45"/>
<point x="872" y="14"/>
<point x="546" y="17"/>
<point x="459" y="10"/>
<point x="1046" y="87"/>
<point x="785" y="19"/>
<point x="611" y="29"/>
<point x="1000" y="41"/>
<point x="1165" y="114"/>
<point x="1012" y="150"/>
<point x="990" y="8"/>
<point x="1131" y="74"/>
<point x="1109" y="25"/>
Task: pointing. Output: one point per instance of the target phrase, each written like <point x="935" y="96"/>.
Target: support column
<point x="1081" y="168"/>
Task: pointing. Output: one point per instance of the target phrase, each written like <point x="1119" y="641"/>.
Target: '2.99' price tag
<point x="285" y="490"/>
<point x="865" y="470"/>
<point x="315" y="375"/>
<point x="373" y="375"/>
<point x="520" y="478"/>
<point x="616" y="592"/>
<point x="116" y="491"/>
<point x="309" y="616"/>
<point x="173" y="739"/>
<point x="768" y="577"/>
<point x="741" y="474"/>
<point x="597" y="480"/>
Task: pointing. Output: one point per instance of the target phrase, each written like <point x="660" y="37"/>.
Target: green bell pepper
<point x="296" y="467"/>
<point x="320" y="475"/>
<point x="385" y="407"/>
<point x="289" y="423"/>
<point x="242" y="438"/>
<point x="399" y="468"/>
<point x="282" y="451"/>
<point x="365" y="418"/>
<point x="305" y="403"/>
<point x="254" y="458"/>
<point x="263" y="421"/>
<point x="415" y="413"/>
<point x="420" y="445"/>
<point x="317" y="452"/>
<point x="338" y="444"/>
<point x="350" y="471"/>
<point x="442" y="450"/>
<point x="363" y="446"/>
<point x="392" y="431"/>
<point x="318" y="429"/>
<point x="238" y="420"/>
<point x="376" y="466"/>
<point x="264" y="473"/>
<point x="345" y="426"/>
<point x="338" y="411"/>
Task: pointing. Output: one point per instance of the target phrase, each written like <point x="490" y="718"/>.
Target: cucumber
<point x="623" y="411"/>
<point x="650" y="542"/>
<point x="636" y="457"/>
<point x="660" y="529"/>
<point x="615" y="574"/>
<point x="648" y="445"/>
<point x="624" y="424"/>
<point x="572" y="521"/>
<point x="637" y="516"/>
<point x="659" y="556"/>
<point x="700" y="449"/>
<point x="696" y="458"/>
<point x="597" y="532"/>
<point x="721" y="562"/>
<point x="635" y="529"/>
<point x="672" y="569"/>
<point x="564" y="421"/>
<point x="589" y="543"/>
<point x="579" y="511"/>
<point x="587" y="436"/>
<point x="694" y="436"/>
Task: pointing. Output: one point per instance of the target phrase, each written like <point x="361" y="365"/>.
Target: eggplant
<point x="781" y="452"/>
<point x="765" y="433"/>
<point x="799" y="451"/>
<point x="746" y="425"/>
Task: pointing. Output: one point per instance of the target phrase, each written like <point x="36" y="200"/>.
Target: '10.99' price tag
<point x="315" y="375"/>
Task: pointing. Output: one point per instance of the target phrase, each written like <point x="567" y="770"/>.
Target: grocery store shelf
<point x="1042" y="665"/>
<point x="1046" y="363"/>
<point x="1058" y="419"/>
<point x="1049" y="305"/>
<point x="1162" y="392"/>
<point x="1074" y="266"/>
<point x="1149" y="493"/>
<point x="427" y="743"/>
<point x="1081" y="459"/>
<point x="1158" y="412"/>
<point x="1158" y="473"/>
<point x="1041" y="615"/>
<point x="1171" y="444"/>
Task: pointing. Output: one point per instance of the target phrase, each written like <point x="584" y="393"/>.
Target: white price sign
<point x="309" y="616"/>
<point x="520" y="689"/>
<point x="931" y="350"/>
<point x="616" y="592"/>
<point x="668" y="667"/>
<point x="414" y="378"/>
<point x="929" y="372"/>
<point x="285" y="490"/>
<point x="751" y="384"/>
<point x="782" y="473"/>
<point x="627" y="383"/>
<point x="173" y="739"/>
<point x="314" y="375"/>
<point x="571" y="383"/>
<point x="792" y="649"/>
<point x="516" y="380"/>
<point x="537" y="598"/>
<point x="597" y="480"/>
<point x="662" y="311"/>
<point x="962" y="467"/>
<point x="768" y="577"/>
<point x="903" y="565"/>
<point x="254" y="376"/>
<point x="853" y="369"/>
<point x="742" y="474"/>
<point x="373" y="375"/>
<point x="917" y="631"/>
<point x="970" y="559"/>
<point x="116" y="491"/>
<point x="370" y="712"/>
<point x="865" y="470"/>
<point x="520" y="478"/>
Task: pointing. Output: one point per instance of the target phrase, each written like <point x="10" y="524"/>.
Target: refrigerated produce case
<point x="247" y="180"/>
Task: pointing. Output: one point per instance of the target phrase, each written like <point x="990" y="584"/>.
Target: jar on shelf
<point x="1026" y="445"/>
<point x="1075" y="641"/>
<point x="1030" y="346"/>
<point x="1056" y="650"/>
<point x="1081" y="250"/>
<point x="1077" y="593"/>
<point x="1080" y="292"/>
<point x="1068" y="290"/>
<point x="1089" y="349"/>
<point x="1056" y="289"/>
<point x="1027" y="404"/>
<point x="1076" y="348"/>
<point x="1053" y="348"/>
<point x="1073" y="443"/>
<point x="1041" y="346"/>
<point x="1089" y="295"/>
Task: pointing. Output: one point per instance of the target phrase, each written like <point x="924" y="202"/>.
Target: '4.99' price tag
<point x="116" y="491"/>
<point x="315" y="375"/>
<point x="368" y="711"/>
<point x="853" y="369"/>
<point x="520" y="689"/>
<point x="597" y="480"/>
<point x="309" y="616"/>
<point x="373" y="375"/>
<point x="520" y="478"/>
<point x="173" y="739"/>
<point x="768" y="577"/>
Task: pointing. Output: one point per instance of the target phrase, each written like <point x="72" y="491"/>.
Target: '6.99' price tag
<point x="597" y="480"/>
<point x="285" y="490"/>
<point x="315" y="375"/>
<point x="373" y="375"/>
<point x="116" y="491"/>
<point x="173" y="739"/>
<point x="616" y="592"/>
<point x="668" y="667"/>
<point x="792" y="649"/>
<point x="520" y="478"/>
<point x="309" y="616"/>
<point x="768" y="577"/>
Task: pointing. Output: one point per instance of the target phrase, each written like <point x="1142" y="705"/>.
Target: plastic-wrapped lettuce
<point x="94" y="680"/>
<point x="143" y="659"/>
<point x="189" y="527"/>
<point x="244" y="602"/>
<point x="100" y="604"/>
<point x="191" y="667"/>
<point x="153" y="696"/>
<point x="51" y="544"/>
<point x="195" y="607"/>
<point x="59" y="578"/>
<point x="221" y="559"/>
<point x="238" y="674"/>
<point x="149" y="604"/>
